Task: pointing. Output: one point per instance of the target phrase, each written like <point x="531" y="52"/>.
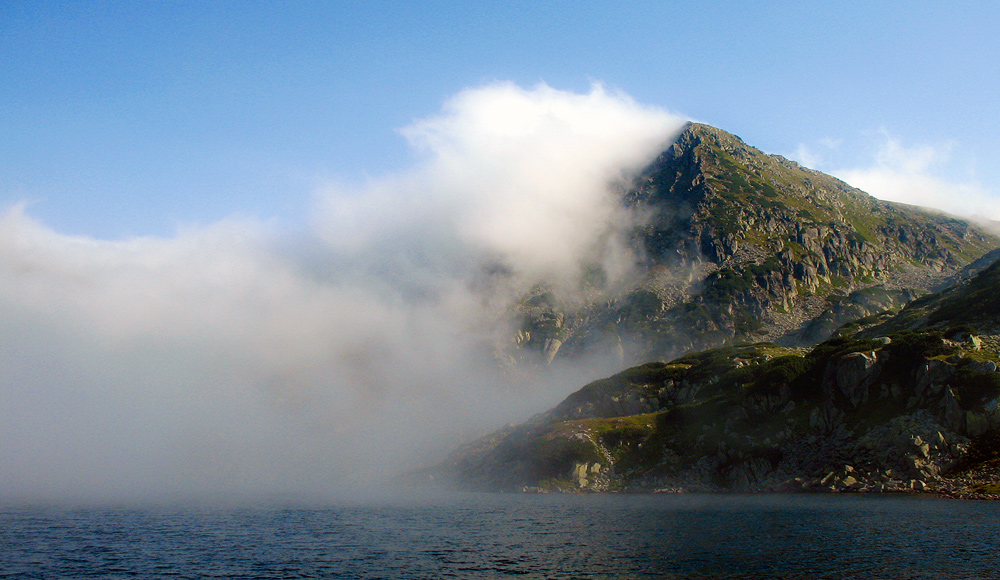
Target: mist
<point x="241" y="359"/>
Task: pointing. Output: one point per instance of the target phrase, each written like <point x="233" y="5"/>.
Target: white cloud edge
<point x="925" y="175"/>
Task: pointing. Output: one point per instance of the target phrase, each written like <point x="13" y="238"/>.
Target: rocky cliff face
<point x="736" y="245"/>
<point x="917" y="408"/>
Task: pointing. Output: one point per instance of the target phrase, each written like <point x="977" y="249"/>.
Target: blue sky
<point x="122" y="119"/>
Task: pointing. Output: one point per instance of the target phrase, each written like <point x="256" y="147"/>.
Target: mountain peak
<point x="699" y="132"/>
<point x="739" y="245"/>
<point x="697" y="136"/>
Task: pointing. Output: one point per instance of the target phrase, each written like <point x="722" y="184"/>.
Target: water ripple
<point x="492" y="537"/>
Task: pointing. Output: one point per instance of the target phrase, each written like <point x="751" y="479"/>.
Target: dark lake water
<point x="515" y="536"/>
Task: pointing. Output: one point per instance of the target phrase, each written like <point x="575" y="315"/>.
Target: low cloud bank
<point x="235" y="360"/>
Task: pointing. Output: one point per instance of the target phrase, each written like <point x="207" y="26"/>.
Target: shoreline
<point x="955" y="493"/>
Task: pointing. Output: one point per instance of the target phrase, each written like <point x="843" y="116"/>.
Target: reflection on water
<point x="496" y="536"/>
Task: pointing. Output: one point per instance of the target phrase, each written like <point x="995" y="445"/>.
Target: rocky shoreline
<point x="943" y="493"/>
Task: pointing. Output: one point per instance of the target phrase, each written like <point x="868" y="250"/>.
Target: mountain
<point x="738" y="245"/>
<point x="790" y="341"/>
<point x="912" y="403"/>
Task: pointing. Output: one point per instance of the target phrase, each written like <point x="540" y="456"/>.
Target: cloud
<point x="519" y="175"/>
<point x="806" y="156"/>
<point x="236" y="359"/>
<point x="924" y="175"/>
<point x="813" y="158"/>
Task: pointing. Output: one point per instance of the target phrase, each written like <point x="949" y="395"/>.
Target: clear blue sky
<point x="129" y="118"/>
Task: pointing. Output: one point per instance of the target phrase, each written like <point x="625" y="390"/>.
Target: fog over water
<point x="240" y="359"/>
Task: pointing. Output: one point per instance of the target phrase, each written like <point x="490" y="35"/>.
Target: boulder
<point x="855" y="373"/>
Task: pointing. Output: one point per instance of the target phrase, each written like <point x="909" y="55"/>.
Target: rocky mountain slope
<point x="972" y="302"/>
<point x="737" y="245"/>
<point x="912" y="402"/>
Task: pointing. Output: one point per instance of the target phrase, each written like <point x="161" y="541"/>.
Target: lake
<point x="485" y="536"/>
